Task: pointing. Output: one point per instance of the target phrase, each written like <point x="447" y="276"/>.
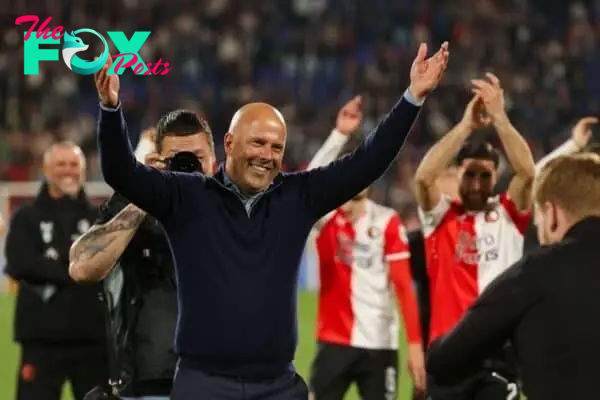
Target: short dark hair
<point x="181" y="123"/>
<point x="478" y="150"/>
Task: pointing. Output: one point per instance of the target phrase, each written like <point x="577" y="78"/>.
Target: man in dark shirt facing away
<point x="237" y="238"/>
<point x="547" y="303"/>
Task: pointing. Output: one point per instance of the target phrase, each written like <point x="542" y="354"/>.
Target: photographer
<point x="128" y="251"/>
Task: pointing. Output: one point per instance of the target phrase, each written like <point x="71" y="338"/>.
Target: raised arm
<point x="348" y="119"/>
<point x="580" y="137"/>
<point x="94" y="255"/>
<point x="26" y="258"/>
<point x="441" y="154"/>
<point x="160" y="193"/>
<point x="329" y="187"/>
<point x="516" y="148"/>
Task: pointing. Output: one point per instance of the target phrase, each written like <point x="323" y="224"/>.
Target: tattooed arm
<point x="94" y="255"/>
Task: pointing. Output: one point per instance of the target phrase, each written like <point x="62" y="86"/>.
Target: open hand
<point x="350" y="116"/>
<point x="107" y="85"/>
<point x="582" y="131"/>
<point x="492" y="95"/>
<point x="426" y="73"/>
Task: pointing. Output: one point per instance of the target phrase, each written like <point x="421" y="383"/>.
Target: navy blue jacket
<point x="237" y="273"/>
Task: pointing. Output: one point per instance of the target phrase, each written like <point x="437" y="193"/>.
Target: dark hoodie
<point x="50" y="306"/>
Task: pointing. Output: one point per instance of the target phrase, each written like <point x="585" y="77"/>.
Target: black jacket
<point x="50" y="306"/>
<point x="143" y="308"/>
<point x="418" y="267"/>
<point x="547" y="305"/>
<point x="237" y="259"/>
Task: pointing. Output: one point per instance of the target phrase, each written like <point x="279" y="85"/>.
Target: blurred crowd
<point x="307" y="57"/>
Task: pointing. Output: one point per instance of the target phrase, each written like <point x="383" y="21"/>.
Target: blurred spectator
<point x="307" y="57"/>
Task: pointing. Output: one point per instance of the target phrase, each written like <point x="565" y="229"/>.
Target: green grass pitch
<point x="304" y="355"/>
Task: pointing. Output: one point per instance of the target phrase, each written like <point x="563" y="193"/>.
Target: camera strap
<point x="114" y="377"/>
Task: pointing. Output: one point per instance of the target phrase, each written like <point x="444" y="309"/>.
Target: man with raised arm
<point x="470" y="241"/>
<point x="237" y="238"/>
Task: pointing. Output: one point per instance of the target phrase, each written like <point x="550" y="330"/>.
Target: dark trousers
<point x="483" y="386"/>
<point x="45" y="368"/>
<point x="192" y="384"/>
<point x="336" y="367"/>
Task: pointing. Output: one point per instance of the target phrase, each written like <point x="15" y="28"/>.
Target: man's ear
<point x="228" y="142"/>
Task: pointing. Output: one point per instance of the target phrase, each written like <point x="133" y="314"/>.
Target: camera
<point x="184" y="161"/>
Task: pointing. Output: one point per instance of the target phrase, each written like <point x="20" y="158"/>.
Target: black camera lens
<point x="184" y="161"/>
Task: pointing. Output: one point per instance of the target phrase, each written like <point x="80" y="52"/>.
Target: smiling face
<point x="255" y="146"/>
<point x="477" y="179"/>
<point x="64" y="169"/>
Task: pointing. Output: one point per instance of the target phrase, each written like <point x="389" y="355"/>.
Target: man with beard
<point x="129" y="251"/>
<point x="59" y="324"/>
<point x="471" y="241"/>
<point x="364" y="264"/>
<point x="546" y="303"/>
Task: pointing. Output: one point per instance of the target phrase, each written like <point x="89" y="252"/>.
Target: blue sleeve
<point x="159" y="193"/>
<point x="329" y="187"/>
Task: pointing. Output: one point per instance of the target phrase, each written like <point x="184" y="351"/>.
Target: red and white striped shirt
<point x="465" y="251"/>
<point x="364" y="270"/>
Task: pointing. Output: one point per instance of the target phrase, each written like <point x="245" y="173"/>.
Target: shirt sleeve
<point x="484" y="329"/>
<point x="397" y="255"/>
<point x="431" y="219"/>
<point x="396" y="241"/>
<point x="110" y="208"/>
<point x="521" y="219"/>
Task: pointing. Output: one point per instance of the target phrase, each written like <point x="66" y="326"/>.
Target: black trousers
<point x="336" y="367"/>
<point x="44" y="369"/>
<point x="482" y="386"/>
<point x="191" y="384"/>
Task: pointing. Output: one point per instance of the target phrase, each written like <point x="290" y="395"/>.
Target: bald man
<point x="59" y="325"/>
<point x="237" y="237"/>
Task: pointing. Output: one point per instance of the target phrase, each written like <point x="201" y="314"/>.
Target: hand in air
<point x="107" y="85"/>
<point x="582" y="131"/>
<point x="475" y="116"/>
<point x="426" y="73"/>
<point x="350" y="116"/>
<point x="492" y="95"/>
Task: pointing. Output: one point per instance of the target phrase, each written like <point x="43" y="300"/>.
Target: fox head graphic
<point x="73" y="45"/>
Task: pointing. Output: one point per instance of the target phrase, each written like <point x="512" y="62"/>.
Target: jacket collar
<point x="44" y="199"/>
<point x="587" y="227"/>
<point x="222" y="178"/>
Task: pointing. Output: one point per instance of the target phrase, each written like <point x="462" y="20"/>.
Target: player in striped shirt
<point x="470" y="241"/>
<point x="364" y="270"/>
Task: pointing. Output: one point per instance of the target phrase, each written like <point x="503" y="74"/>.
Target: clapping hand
<point x="107" y="85"/>
<point x="426" y="73"/>
<point x="492" y="95"/>
<point x="350" y="116"/>
<point x="475" y="116"/>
